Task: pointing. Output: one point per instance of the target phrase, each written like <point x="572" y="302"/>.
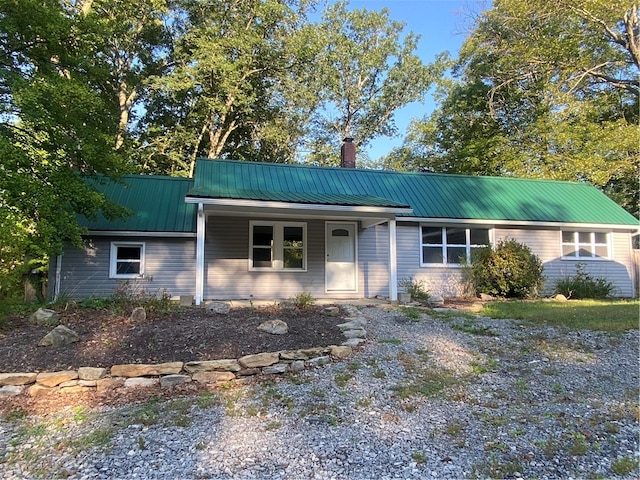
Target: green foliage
<point x="624" y="465"/>
<point x="541" y="89"/>
<point x="416" y="288"/>
<point x="367" y="69"/>
<point x="509" y="270"/>
<point x="130" y="294"/>
<point x="303" y="300"/>
<point x="582" y="285"/>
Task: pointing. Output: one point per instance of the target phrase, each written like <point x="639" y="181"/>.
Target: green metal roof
<point x="437" y="196"/>
<point x="156" y="202"/>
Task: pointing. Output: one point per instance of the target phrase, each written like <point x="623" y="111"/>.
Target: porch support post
<point x="393" y="262"/>
<point x="200" y="223"/>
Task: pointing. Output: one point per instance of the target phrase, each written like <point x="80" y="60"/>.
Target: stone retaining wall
<point x="87" y="379"/>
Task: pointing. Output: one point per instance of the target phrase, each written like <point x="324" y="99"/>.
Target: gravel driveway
<point x="447" y="396"/>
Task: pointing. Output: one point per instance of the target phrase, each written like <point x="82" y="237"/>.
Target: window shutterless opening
<point x="126" y="260"/>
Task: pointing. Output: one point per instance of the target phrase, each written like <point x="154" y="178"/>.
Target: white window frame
<point x="113" y="260"/>
<point x="444" y="243"/>
<point x="277" y="246"/>
<point x="591" y="246"/>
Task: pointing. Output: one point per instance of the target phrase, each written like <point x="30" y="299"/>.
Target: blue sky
<point x="442" y="25"/>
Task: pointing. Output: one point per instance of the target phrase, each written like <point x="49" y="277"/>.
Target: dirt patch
<point x="188" y="334"/>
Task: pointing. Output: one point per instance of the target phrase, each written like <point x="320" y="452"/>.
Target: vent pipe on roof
<point x="348" y="153"/>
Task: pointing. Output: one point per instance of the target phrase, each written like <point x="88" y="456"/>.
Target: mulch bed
<point x="188" y="334"/>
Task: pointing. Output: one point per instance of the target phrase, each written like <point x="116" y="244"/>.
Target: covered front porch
<point x="256" y="250"/>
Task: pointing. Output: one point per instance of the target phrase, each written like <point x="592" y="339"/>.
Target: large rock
<point x="142" y="370"/>
<point x="38" y="390"/>
<point x="213" y="377"/>
<point x="435" y="300"/>
<point x="91" y="373"/>
<point x="59" y="337"/>
<point x="331" y="311"/>
<point x="274" y="327"/>
<point x="296" y="366"/>
<point x="11" y="390"/>
<point x="108" y="383"/>
<point x="355" y="333"/>
<point x="259" y="360"/>
<point x="173" y="380"/>
<point x="45" y="316"/>
<point x="341" y="352"/>
<point x="294" y="355"/>
<point x="275" y="369"/>
<point x="353" y="324"/>
<point x="138" y="315"/>
<point x="140" y="382"/>
<point x="53" y="379"/>
<point x="219" y="308"/>
<point x="224" y="365"/>
<point x="76" y="389"/>
<point x="17" y="378"/>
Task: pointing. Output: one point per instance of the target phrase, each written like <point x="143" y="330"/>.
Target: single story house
<point x="251" y="230"/>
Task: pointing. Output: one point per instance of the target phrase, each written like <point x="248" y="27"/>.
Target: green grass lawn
<point x="607" y="315"/>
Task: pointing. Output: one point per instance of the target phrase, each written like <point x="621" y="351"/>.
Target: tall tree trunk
<point x="196" y="147"/>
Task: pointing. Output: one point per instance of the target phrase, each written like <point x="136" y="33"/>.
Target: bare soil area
<point x="187" y="334"/>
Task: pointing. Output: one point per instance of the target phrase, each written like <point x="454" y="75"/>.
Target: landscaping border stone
<point x="169" y="374"/>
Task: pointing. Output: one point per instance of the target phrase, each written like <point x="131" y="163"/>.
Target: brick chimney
<point x="348" y="153"/>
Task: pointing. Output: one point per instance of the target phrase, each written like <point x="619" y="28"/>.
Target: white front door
<point x="340" y="264"/>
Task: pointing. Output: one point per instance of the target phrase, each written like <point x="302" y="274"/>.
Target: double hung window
<point x="126" y="260"/>
<point x="585" y="245"/>
<point x="451" y="245"/>
<point x="277" y="246"/>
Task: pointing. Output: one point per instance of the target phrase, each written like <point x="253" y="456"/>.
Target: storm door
<point x="340" y="262"/>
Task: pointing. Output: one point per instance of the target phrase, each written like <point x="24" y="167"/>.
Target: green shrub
<point x="582" y="285"/>
<point x="415" y="288"/>
<point x="303" y="300"/>
<point x="509" y="270"/>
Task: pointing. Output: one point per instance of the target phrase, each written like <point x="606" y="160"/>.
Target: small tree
<point x="509" y="270"/>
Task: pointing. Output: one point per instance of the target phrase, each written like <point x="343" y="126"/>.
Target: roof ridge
<point x="397" y="172"/>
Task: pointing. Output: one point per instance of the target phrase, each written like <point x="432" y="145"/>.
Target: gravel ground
<point x="447" y="396"/>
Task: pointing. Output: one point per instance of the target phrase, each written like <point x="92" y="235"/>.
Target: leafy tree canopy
<point x="541" y="89"/>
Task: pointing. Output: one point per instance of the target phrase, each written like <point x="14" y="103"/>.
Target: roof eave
<point x="269" y="204"/>
<point x="522" y="223"/>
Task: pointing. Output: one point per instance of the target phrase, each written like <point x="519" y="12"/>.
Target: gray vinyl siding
<point x="547" y="244"/>
<point x="169" y="265"/>
<point x="373" y="261"/>
<point x="449" y="281"/>
<point x="227" y="274"/>
<point x="445" y="281"/>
